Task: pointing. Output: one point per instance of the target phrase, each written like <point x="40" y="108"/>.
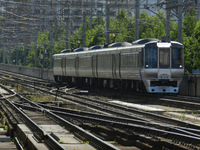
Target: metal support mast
<point x="10" y="49"/>
<point x="107" y="22"/>
<point x="168" y="11"/>
<point x="84" y="30"/>
<point x="198" y="9"/>
<point x="91" y="10"/>
<point x="67" y="28"/>
<point x="51" y="39"/>
<point x="51" y="46"/>
<point x="180" y="22"/>
<point x="35" y="48"/>
<point x="137" y="14"/>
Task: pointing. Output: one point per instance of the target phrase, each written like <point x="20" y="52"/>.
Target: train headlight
<point x="180" y="66"/>
<point x="147" y="66"/>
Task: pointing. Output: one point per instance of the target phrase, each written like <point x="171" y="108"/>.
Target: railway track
<point x="46" y="126"/>
<point x="132" y="130"/>
<point x="144" y="119"/>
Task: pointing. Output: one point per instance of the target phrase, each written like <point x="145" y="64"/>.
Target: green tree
<point x="121" y="30"/>
<point x="195" y="47"/>
<point x="122" y="27"/>
<point x="151" y="26"/>
<point x="190" y="41"/>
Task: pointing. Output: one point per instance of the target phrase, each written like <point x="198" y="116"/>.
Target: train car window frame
<point x="129" y="60"/>
<point x="151" y="57"/>
<point x="85" y="61"/>
<point x="164" y="58"/>
<point x="105" y="60"/>
<point x="177" y="59"/>
<point x="57" y="62"/>
<point x="70" y="62"/>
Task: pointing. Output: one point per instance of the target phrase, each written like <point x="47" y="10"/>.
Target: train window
<point x="85" y="62"/>
<point x="104" y="61"/>
<point x="164" y="58"/>
<point x="129" y="60"/>
<point x="151" y="55"/>
<point x="177" y="58"/>
<point x="57" y="62"/>
<point x="70" y="62"/>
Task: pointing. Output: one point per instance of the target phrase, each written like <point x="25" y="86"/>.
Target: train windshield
<point x="177" y="58"/>
<point x="151" y="57"/>
<point x="164" y="58"/>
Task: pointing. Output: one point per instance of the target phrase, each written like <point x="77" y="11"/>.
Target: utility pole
<point x="17" y="54"/>
<point x="67" y="27"/>
<point x="51" y="38"/>
<point x="35" y="48"/>
<point x="18" y="38"/>
<point x="84" y="30"/>
<point x="178" y="6"/>
<point x="107" y="22"/>
<point x="10" y="50"/>
<point x="4" y="48"/>
<point x="25" y="53"/>
<point x="34" y="8"/>
<point x="180" y="22"/>
<point x="198" y="9"/>
<point x="91" y="8"/>
<point x="168" y="11"/>
<point x="51" y="46"/>
<point x="137" y="14"/>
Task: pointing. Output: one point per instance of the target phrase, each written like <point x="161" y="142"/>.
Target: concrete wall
<point x="190" y="85"/>
<point x="32" y="72"/>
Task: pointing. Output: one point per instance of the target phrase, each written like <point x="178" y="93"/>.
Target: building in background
<point x="25" y="18"/>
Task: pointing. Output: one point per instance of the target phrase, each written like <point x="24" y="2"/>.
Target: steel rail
<point x="173" y="131"/>
<point x="189" y="131"/>
<point x="97" y="142"/>
<point x="156" y="116"/>
<point x="175" y="134"/>
<point x="100" y="144"/>
<point x="40" y="134"/>
<point x="126" y="109"/>
<point x="135" y="126"/>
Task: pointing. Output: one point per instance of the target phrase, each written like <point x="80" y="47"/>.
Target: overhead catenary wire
<point x="45" y="18"/>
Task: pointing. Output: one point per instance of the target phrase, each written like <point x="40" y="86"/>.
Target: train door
<point x="77" y="66"/>
<point x="63" y="66"/>
<point x="164" y="71"/>
<point x="94" y="66"/>
<point x="116" y="66"/>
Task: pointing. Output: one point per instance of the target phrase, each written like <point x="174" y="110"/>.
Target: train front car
<point x="163" y="67"/>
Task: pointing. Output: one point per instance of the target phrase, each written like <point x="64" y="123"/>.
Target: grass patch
<point x="39" y="98"/>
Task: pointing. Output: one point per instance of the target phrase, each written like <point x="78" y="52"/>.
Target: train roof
<point x="96" y="47"/>
<point x="66" y="51"/>
<point x="144" y="41"/>
<point x="124" y="46"/>
<point x="81" y="49"/>
<point x="120" y="44"/>
<point x="99" y="50"/>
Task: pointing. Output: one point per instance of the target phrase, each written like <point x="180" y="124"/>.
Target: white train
<point x="157" y="66"/>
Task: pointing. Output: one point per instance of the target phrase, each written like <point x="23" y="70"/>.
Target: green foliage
<point x="191" y="41"/>
<point x="122" y="29"/>
<point x="189" y="23"/>
<point x="151" y="26"/>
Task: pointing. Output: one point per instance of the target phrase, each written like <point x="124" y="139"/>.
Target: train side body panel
<point x="159" y="65"/>
<point x="84" y="65"/>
